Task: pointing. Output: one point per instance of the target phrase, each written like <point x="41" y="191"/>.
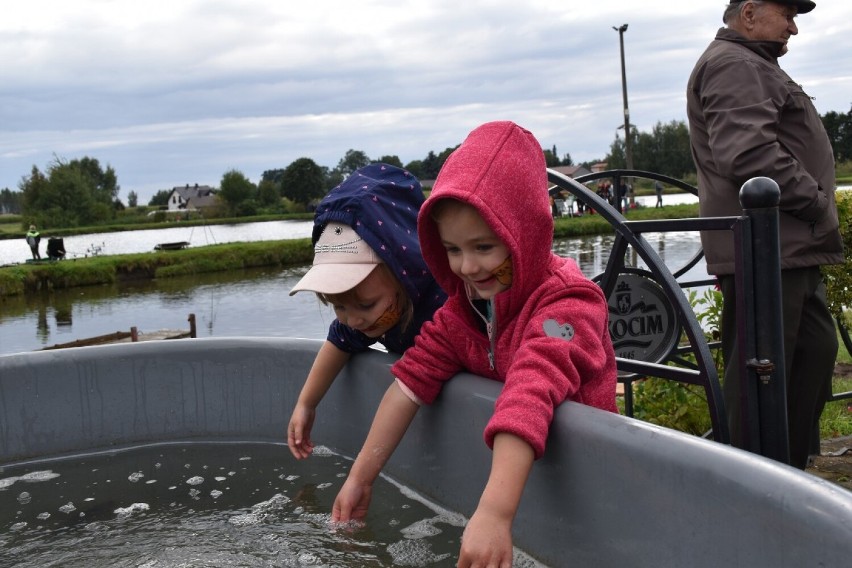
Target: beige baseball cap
<point x="342" y="260"/>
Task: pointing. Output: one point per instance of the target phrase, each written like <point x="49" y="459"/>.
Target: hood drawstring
<point x="490" y="324"/>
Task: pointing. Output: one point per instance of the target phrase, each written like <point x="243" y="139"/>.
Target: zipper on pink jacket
<point x="490" y="325"/>
<point x="491" y="330"/>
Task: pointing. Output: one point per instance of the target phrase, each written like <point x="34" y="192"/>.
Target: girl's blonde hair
<point x="406" y="305"/>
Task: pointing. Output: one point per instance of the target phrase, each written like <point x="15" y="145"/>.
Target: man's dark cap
<point x="804" y="6"/>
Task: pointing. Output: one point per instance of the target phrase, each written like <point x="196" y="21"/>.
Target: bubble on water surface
<point x="322" y="451"/>
<point x="245" y="520"/>
<point x="24" y="498"/>
<point x="414" y="553"/>
<point x="124" y="512"/>
<point x="37" y="476"/>
<point x="196" y="480"/>
<point x="67" y="507"/>
<point x="135" y="476"/>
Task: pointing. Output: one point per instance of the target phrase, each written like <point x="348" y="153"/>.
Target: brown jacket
<point x="747" y="118"/>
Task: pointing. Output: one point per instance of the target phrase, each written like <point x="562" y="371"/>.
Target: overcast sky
<point x="181" y="91"/>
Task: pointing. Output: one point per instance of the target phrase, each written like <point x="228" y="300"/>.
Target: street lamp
<point x="628" y="145"/>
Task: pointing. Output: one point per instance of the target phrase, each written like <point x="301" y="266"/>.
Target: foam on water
<point x="213" y="504"/>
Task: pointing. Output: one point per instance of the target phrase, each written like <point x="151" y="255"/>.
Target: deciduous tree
<point x="303" y="181"/>
<point x="839" y="129"/>
<point x="234" y="190"/>
<point x="71" y="194"/>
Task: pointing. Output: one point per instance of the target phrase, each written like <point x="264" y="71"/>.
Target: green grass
<point x="836" y="419"/>
<point x="843" y="355"/>
<point x="24" y="278"/>
<point x="843" y="173"/>
<point x="11" y="225"/>
<point x="567" y="227"/>
<point x="14" y="230"/>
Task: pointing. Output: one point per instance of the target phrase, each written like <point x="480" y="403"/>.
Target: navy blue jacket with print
<point x="381" y="202"/>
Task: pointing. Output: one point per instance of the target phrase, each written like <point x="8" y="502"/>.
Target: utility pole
<point x="628" y="143"/>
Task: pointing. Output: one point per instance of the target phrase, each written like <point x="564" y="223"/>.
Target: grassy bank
<point x="11" y="228"/>
<point x="24" y="278"/>
<point x="566" y="227"/>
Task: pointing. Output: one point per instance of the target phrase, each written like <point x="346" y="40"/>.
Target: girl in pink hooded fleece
<point x="516" y="313"/>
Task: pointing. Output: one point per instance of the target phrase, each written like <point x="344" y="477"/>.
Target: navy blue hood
<point x="381" y="202"/>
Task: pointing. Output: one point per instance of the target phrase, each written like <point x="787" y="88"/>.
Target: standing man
<point x="33" y="239"/>
<point x="658" y="188"/>
<point x="748" y="118"/>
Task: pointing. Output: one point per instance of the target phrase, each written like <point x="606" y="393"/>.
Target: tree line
<point x="81" y="192"/>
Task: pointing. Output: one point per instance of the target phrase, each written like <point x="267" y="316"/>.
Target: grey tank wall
<point x="610" y="491"/>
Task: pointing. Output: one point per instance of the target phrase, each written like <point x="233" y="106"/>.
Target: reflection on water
<point x="251" y="302"/>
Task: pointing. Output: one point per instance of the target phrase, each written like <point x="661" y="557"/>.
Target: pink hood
<point x="497" y="156"/>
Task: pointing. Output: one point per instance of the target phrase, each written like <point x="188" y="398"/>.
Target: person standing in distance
<point x="33" y="238"/>
<point x="748" y="118"/>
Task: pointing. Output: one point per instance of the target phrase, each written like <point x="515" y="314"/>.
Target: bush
<point x="838" y="277"/>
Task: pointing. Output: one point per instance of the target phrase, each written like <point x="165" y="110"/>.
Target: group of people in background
<point x="466" y="280"/>
<point x="55" y="246"/>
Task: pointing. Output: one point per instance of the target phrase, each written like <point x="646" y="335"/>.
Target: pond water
<point x="239" y="303"/>
<point x="212" y="504"/>
<point x="129" y="242"/>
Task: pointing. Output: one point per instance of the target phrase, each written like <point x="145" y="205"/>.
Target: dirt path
<point x="835" y="461"/>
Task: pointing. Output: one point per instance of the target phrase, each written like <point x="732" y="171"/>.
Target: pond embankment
<point x="31" y="277"/>
<point x="23" y="278"/>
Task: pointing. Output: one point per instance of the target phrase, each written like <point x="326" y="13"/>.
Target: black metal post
<point x="764" y="357"/>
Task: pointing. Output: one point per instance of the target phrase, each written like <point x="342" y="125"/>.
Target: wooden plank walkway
<point x="131" y="336"/>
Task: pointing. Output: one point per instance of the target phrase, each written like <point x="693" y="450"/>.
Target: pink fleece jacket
<point x="552" y="340"/>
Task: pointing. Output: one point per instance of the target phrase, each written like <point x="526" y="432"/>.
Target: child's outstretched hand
<point x="299" y="431"/>
<point x="487" y="541"/>
<point x="352" y="502"/>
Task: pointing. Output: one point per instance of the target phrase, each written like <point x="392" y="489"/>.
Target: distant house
<point x="571" y="171"/>
<point x="191" y="198"/>
<point x="599" y="167"/>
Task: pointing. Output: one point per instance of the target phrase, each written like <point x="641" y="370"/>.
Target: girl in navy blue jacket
<point x="368" y="267"/>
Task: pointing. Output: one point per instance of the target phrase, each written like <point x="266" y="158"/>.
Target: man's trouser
<point x="810" y="350"/>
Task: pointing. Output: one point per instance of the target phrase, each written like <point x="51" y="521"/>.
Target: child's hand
<point x="487" y="541"/>
<point x="299" y="432"/>
<point x="352" y="502"/>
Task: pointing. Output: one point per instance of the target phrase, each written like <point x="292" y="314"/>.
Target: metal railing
<point x="689" y="359"/>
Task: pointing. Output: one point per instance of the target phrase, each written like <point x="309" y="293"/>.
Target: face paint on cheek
<point x="388" y="318"/>
<point x="503" y="273"/>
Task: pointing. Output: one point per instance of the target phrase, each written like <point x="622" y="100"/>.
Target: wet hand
<point x="352" y="502"/>
<point x="486" y="542"/>
<point x="299" y="432"/>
